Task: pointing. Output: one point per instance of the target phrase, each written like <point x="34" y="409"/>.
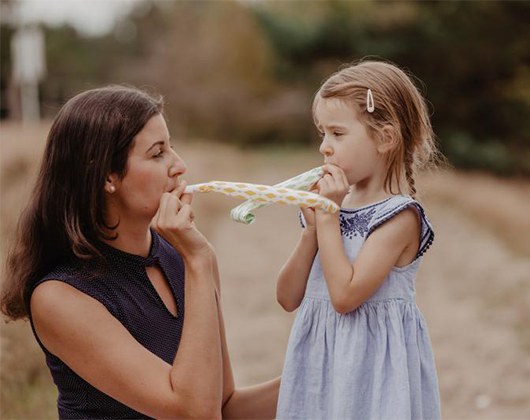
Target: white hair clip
<point x="370" y="106"/>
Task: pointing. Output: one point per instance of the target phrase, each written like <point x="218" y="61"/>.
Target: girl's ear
<point x="387" y="139"/>
<point x="111" y="183"/>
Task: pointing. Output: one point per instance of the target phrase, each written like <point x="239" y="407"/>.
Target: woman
<point x="128" y="315"/>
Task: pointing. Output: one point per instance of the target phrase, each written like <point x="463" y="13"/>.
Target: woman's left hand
<point x="333" y="184"/>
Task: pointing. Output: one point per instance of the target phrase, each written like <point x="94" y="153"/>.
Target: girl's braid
<point x="410" y="172"/>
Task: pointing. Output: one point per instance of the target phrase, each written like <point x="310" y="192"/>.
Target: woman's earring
<point x="370" y="106"/>
<point x="112" y="189"/>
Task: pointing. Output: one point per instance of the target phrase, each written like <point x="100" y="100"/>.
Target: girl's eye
<point x="337" y="133"/>
<point x="158" y="154"/>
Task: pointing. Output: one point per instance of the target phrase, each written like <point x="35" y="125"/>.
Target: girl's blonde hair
<point x="398" y="105"/>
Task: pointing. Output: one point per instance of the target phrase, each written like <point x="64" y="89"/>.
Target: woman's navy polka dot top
<point x="121" y="284"/>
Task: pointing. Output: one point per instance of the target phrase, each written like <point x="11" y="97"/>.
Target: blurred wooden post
<point x="29" y="68"/>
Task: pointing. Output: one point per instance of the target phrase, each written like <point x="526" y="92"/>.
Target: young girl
<point x="359" y="346"/>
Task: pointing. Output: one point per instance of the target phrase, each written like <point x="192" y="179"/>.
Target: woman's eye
<point x="337" y="133"/>
<point x="160" y="153"/>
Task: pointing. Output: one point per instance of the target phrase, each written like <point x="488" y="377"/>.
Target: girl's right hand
<point x="334" y="184"/>
<point x="309" y="212"/>
<point x="309" y="218"/>
<point x="174" y="220"/>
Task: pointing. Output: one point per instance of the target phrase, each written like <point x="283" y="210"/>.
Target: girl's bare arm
<point x="292" y="280"/>
<point x="394" y="243"/>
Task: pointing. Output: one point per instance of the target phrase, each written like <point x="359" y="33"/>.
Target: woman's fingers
<point x="167" y="211"/>
<point x="186" y="214"/>
<point x="178" y="192"/>
<point x="174" y="220"/>
<point x="186" y="198"/>
<point x="161" y="209"/>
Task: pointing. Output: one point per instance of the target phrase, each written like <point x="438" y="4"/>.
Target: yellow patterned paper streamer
<point x="266" y="194"/>
<point x="304" y="181"/>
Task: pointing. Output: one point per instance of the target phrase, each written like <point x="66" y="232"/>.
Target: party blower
<point x="293" y="191"/>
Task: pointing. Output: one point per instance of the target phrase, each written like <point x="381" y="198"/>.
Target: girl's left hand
<point x="333" y="184"/>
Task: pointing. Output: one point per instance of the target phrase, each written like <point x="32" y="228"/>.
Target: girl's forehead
<point x="333" y="109"/>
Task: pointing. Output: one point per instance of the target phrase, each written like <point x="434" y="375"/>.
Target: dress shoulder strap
<point x="390" y="208"/>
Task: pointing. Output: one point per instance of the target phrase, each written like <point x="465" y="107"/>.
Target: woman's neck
<point x="134" y="241"/>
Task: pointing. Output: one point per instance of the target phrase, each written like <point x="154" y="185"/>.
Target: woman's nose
<point x="178" y="166"/>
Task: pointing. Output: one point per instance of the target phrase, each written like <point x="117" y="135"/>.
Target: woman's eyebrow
<point x="155" y="144"/>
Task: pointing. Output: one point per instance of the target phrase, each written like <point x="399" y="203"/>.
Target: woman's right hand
<point x="174" y="220"/>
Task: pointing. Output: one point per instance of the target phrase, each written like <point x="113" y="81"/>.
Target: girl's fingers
<point x="329" y="169"/>
<point x="314" y="187"/>
<point x="325" y="183"/>
<point x="338" y="176"/>
<point x="308" y="212"/>
<point x="336" y="172"/>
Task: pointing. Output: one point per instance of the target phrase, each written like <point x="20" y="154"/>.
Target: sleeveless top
<point x="121" y="284"/>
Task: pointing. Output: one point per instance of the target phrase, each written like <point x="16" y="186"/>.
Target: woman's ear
<point x="111" y="183"/>
<point x="387" y="139"/>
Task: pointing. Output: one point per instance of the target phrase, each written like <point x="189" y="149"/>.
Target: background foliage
<point x="245" y="72"/>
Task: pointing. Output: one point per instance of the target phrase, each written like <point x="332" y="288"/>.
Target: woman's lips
<point x="170" y="190"/>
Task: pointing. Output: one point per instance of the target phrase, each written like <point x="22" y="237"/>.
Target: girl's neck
<point x="355" y="199"/>
<point x="369" y="191"/>
<point x="363" y="194"/>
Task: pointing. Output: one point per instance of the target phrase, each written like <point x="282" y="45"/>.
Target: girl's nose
<point x="178" y="166"/>
<point x="325" y="149"/>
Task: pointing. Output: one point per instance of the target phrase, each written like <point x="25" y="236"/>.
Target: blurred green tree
<point x="245" y="72"/>
<point x="472" y="57"/>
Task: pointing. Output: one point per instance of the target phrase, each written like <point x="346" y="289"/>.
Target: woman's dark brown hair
<point x="89" y="139"/>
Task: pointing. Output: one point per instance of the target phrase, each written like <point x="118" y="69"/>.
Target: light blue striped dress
<point x="375" y="362"/>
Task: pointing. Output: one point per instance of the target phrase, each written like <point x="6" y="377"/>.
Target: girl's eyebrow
<point x="155" y="144"/>
<point x="333" y="126"/>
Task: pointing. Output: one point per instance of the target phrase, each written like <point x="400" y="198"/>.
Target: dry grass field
<point x="474" y="286"/>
